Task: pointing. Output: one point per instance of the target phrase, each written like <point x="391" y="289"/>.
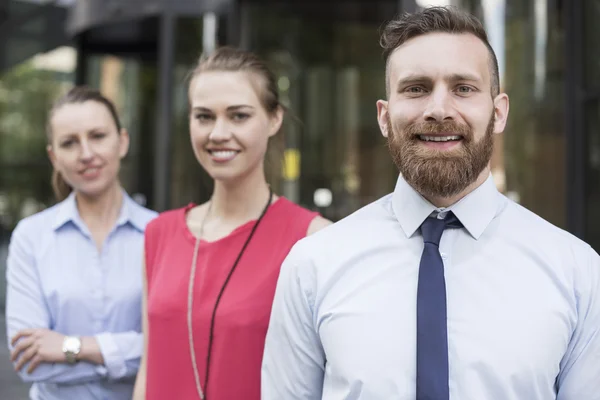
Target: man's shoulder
<point x="350" y="232"/>
<point x="528" y="225"/>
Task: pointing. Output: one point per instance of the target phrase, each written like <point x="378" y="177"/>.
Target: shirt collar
<point x="129" y="213"/>
<point x="475" y="211"/>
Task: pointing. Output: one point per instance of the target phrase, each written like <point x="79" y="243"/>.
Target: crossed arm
<point x="36" y="349"/>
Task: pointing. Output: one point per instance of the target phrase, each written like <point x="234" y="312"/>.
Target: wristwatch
<point x="71" y="347"/>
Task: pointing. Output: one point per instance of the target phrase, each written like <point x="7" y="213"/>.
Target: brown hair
<point x="78" y="94"/>
<point x="436" y="19"/>
<point x="231" y="59"/>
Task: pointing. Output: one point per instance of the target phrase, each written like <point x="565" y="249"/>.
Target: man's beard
<point x="435" y="173"/>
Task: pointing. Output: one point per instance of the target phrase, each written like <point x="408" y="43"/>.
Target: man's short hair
<point x="435" y="19"/>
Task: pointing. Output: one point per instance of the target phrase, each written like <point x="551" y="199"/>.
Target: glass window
<point x="26" y="93"/>
<point x="189" y="181"/>
<point x="591" y="54"/>
<point x="529" y="160"/>
<point x="331" y="73"/>
<point x="131" y="84"/>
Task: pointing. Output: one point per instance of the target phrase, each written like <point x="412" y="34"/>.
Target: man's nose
<point x="440" y="106"/>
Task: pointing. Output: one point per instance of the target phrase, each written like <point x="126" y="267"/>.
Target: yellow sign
<point x="291" y="164"/>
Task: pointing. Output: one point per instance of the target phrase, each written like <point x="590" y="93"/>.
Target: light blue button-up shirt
<point x="523" y="300"/>
<point x="57" y="279"/>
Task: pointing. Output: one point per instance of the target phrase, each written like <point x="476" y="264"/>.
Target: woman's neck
<point x="241" y="200"/>
<point x="101" y="211"/>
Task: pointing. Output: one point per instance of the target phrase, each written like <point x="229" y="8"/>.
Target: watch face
<point x="72" y="344"/>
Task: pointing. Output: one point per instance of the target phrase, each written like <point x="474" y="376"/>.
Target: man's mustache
<point x="450" y="128"/>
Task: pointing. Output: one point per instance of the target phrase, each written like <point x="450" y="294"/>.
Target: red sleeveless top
<point x="243" y="312"/>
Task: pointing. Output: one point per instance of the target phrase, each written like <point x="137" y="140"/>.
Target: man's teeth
<point x="438" y="138"/>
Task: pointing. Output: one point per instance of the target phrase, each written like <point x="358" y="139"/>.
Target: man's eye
<point x="415" y="89"/>
<point x="465" y="89"/>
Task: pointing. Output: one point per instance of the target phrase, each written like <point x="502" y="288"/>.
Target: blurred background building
<point x="330" y="74"/>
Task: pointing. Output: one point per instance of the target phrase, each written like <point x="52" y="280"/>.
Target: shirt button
<point x="443" y="256"/>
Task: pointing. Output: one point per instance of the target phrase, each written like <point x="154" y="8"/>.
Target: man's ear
<point x="383" y="117"/>
<point x="501" y="107"/>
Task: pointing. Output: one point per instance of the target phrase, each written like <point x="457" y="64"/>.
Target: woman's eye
<point x="203" y="117"/>
<point x="240" y="117"/>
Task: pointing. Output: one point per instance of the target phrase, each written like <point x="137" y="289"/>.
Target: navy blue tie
<point x="432" y="330"/>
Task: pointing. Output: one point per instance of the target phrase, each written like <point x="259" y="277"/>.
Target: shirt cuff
<point x="113" y="361"/>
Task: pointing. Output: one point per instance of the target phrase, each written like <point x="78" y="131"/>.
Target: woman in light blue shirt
<point x="73" y="279"/>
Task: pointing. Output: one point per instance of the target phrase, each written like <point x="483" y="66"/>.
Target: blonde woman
<point x="73" y="285"/>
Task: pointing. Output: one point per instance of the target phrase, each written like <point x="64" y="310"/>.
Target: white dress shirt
<point x="523" y="301"/>
<point x="58" y="280"/>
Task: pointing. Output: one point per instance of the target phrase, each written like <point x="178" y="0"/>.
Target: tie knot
<point x="432" y="228"/>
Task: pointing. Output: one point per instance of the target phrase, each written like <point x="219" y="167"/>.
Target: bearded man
<point x="444" y="289"/>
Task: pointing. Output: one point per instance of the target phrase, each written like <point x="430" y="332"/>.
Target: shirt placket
<point x="98" y="289"/>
